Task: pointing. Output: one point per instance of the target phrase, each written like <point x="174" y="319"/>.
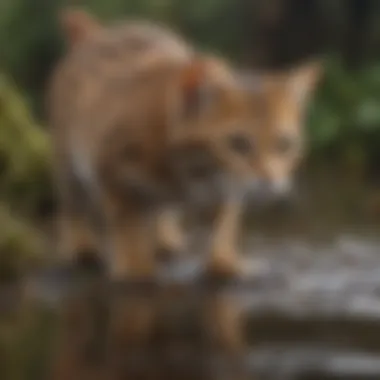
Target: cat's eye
<point x="285" y="144"/>
<point x="240" y="144"/>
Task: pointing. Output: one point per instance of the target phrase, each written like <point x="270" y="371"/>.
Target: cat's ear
<point x="302" y="81"/>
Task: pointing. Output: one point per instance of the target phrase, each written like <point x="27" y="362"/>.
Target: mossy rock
<point x="21" y="245"/>
<point x="25" y="156"/>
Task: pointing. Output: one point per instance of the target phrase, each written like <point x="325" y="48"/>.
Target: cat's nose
<point x="281" y="188"/>
<point x="265" y="190"/>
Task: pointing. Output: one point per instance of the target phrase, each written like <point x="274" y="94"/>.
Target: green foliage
<point x="21" y="246"/>
<point x="24" y="153"/>
<point x="347" y="102"/>
<point x="345" y="114"/>
<point x="24" y="182"/>
<point x="30" y="43"/>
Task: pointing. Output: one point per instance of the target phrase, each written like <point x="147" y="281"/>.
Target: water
<point x="313" y="308"/>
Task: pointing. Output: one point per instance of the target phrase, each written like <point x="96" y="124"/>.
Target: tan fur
<point x="143" y="125"/>
<point x="106" y="94"/>
<point x="278" y="104"/>
<point x="110" y="101"/>
<point x="284" y="99"/>
<point x="138" y="119"/>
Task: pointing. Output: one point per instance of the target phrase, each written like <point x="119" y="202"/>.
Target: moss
<point x="24" y="153"/>
<point x="21" y="245"/>
<point x="24" y="182"/>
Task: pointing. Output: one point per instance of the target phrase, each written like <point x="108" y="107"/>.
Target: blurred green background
<point x="343" y="122"/>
